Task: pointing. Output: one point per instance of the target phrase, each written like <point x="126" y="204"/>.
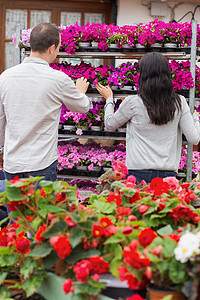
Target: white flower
<point x="79" y="131"/>
<point x="187" y="247"/>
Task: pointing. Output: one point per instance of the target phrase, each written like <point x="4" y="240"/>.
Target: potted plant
<point x="60" y="229"/>
<point x="116" y="40"/>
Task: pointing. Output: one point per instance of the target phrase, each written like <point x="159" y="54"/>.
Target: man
<point x="31" y="97"/>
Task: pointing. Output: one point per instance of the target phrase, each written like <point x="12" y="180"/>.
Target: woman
<point x="156" y="119"/>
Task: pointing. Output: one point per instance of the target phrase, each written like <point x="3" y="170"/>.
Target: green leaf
<point x="4" y="220"/>
<point x="45" y="183"/>
<point x="87" y="289"/>
<point x="80" y="253"/>
<point x="31" y="285"/>
<point x="177" y="271"/>
<point x="5" y="250"/>
<point x="51" y="288"/>
<point x="13" y="193"/>
<point x="165" y="230"/>
<point x="50" y="260"/>
<point x="36" y="222"/>
<point x="5" y="294"/>
<point x="114" y="264"/>
<point x="104" y="207"/>
<point x="29" y="267"/>
<point x="115" y="238"/>
<point x="8" y="260"/>
<point x="76" y="235"/>
<point x="118" y="185"/>
<point x="76" y="296"/>
<point x="43" y="212"/>
<point x="129" y="192"/>
<point x="162" y="266"/>
<point x="51" y="208"/>
<point x="168" y="247"/>
<point x="93" y="197"/>
<point x="169" y="297"/>
<point x="14" y="214"/>
<point x="41" y="251"/>
<point x="153" y="258"/>
<point x="151" y="209"/>
<point x="152" y="223"/>
<point x="3" y="277"/>
<point x="118" y="252"/>
<point x="55" y="228"/>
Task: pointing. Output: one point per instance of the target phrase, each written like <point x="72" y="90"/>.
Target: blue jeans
<point x="148" y="175"/>
<point x="2" y="186"/>
<point x="48" y="173"/>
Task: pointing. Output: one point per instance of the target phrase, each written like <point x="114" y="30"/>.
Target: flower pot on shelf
<point x="96" y="168"/>
<point x="95" y="128"/>
<point x="127" y="48"/>
<point x="157" y="294"/>
<point x="171" y="47"/>
<point x="83" y="46"/>
<point x="83" y="128"/>
<point x="127" y="88"/>
<point x="94" y="44"/>
<point x="81" y="168"/>
<point x="115" y="87"/>
<point x="156" y="47"/>
<point x="140" y="48"/>
<point x="69" y="127"/>
<point x="113" y="48"/>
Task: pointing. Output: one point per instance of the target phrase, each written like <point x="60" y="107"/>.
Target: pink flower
<point x="173" y="183"/>
<point x="120" y="168"/>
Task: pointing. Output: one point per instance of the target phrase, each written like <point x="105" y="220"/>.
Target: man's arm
<point x="2" y="132"/>
<point x="73" y="96"/>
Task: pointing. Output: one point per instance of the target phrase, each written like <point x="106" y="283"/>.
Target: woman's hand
<point x="104" y="91"/>
<point x="196" y="113"/>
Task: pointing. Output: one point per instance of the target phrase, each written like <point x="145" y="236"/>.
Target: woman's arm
<point x="190" y="124"/>
<point x="122" y="115"/>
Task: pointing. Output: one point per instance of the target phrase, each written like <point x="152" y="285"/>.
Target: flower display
<point x="71" y="154"/>
<point x="195" y="161"/>
<point x="156" y="31"/>
<point x="128" y="74"/>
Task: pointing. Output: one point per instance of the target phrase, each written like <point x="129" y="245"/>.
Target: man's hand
<point x="104" y="91"/>
<point x="82" y="85"/>
<point x="1" y="162"/>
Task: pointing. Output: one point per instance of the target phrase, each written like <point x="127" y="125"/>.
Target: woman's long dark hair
<point x="156" y="88"/>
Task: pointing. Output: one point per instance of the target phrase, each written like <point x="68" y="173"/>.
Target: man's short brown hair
<point x="43" y="36"/>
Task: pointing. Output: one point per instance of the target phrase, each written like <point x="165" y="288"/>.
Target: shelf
<point x="121" y="55"/>
<point x="74" y="173"/>
<point x="93" y="136"/>
<point x="124" y="93"/>
<point x="117" y="55"/>
<point x="69" y="177"/>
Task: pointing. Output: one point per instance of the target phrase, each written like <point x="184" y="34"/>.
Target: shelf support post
<point x="192" y="94"/>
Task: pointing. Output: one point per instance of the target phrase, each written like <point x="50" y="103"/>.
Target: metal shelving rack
<point x="136" y="56"/>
